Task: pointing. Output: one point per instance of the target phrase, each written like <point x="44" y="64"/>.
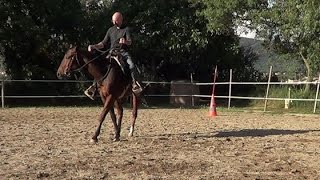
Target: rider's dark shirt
<point x="113" y="37"/>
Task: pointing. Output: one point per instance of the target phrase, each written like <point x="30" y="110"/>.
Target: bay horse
<point x="113" y="84"/>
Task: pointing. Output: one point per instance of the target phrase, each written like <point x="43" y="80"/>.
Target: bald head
<point x="117" y="19"/>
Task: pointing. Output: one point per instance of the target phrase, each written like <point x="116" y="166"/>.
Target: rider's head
<point x="117" y="19"/>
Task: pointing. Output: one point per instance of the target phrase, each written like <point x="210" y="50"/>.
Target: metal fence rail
<point x="229" y="97"/>
<point x="213" y="95"/>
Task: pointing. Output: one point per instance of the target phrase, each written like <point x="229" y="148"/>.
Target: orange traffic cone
<point x="212" y="110"/>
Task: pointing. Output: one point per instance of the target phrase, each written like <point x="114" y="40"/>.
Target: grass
<point x="295" y="106"/>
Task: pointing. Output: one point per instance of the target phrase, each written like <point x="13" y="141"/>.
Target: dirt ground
<point x="53" y="143"/>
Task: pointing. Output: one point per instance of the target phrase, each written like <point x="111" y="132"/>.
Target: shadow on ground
<point x="260" y="132"/>
<point x="237" y="133"/>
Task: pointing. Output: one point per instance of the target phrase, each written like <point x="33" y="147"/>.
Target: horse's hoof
<point x="94" y="141"/>
<point x="130" y="134"/>
<point x="116" y="139"/>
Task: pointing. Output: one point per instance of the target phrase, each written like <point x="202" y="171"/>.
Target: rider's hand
<point x="122" y="41"/>
<point x="90" y="47"/>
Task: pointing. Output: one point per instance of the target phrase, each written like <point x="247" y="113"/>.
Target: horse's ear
<point x="70" y="46"/>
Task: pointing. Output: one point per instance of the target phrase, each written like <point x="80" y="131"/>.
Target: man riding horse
<point x="118" y="37"/>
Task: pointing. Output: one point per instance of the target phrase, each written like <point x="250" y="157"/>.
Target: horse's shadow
<point x="260" y="132"/>
<point x="238" y="133"/>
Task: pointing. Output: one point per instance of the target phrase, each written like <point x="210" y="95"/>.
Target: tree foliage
<point x="33" y="35"/>
<point x="171" y="38"/>
<point x="292" y="27"/>
<point x="288" y="27"/>
<point x="224" y="16"/>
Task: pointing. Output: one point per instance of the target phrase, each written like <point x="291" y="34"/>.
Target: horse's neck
<point x="93" y="67"/>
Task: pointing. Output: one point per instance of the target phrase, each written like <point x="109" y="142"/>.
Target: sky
<point x="245" y="32"/>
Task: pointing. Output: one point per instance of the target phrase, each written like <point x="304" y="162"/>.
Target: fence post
<point x="2" y="93"/>
<point x="316" y="99"/>
<point x="267" y="93"/>
<point x="229" y="102"/>
<point x="192" y="97"/>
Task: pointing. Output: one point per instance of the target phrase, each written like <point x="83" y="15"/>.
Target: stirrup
<point x="89" y="93"/>
<point x="136" y="88"/>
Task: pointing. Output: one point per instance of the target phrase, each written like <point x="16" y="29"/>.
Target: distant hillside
<point x="267" y="58"/>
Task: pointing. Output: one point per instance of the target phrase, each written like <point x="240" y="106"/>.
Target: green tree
<point x="172" y="39"/>
<point x="292" y="27"/>
<point x="33" y="35"/>
<point x="224" y="16"/>
<point x="165" y="33"/>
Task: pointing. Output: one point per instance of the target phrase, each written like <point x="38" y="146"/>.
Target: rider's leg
<point x="136" y="86"/>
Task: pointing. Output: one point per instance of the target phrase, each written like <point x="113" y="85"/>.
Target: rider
<point x="117" y="36"/>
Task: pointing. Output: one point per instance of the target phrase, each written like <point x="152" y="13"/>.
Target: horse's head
<point x="68" y="64"/>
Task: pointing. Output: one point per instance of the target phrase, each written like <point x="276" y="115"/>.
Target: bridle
<point x="74" y="57"/>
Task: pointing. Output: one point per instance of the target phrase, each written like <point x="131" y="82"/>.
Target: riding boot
<point x="91" y="91"/>
<point x="136" y="85"/>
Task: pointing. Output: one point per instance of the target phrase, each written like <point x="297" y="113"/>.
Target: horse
<point x="113" y="84"/>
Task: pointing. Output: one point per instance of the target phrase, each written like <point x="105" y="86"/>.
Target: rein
<point x="81" y="67"/>
<point x="102" y="53"/>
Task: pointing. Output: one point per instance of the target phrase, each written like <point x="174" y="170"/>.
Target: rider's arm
<point x="101" y="44"/>
<point x="95" y="46"/>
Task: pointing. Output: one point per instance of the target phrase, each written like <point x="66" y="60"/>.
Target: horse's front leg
<point x="118" y="106"/>
<point x="134" y="113"/>
<point x="106" y="107"/>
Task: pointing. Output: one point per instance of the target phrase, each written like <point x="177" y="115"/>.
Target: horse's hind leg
<point x="106" y="107"/>
<point x="134" y="113"/>
<point x="119" y="112"/>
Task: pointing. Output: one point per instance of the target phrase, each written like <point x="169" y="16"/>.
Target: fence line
<point x="2" y="94"/>
<point x="229" y="97"/>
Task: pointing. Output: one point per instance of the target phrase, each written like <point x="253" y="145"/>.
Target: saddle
<point x="115" y="54"/>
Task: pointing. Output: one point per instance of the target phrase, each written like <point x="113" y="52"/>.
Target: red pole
<point x="214" y="80"/>
<point x="212" y="110"/>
